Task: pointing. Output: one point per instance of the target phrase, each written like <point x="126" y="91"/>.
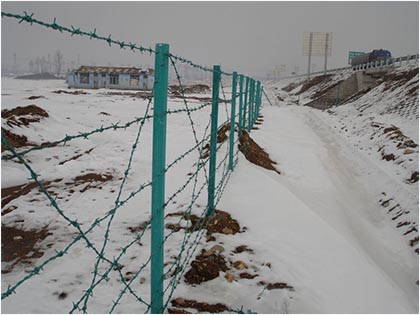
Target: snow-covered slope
<point x="315" y="238"/>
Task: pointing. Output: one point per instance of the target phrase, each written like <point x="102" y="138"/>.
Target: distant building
<point x="111" y="78"/>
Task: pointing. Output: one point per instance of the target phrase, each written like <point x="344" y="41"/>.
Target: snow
<point x="318" y="224"/>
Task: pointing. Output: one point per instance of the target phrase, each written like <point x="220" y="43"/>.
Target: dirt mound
<point x="14" y="140"/>
<point x="414" y="178"/>
<point x="205" y="268"/>
<point x="38" y="76"/>
<point x="78" y="92"/>
<point x="277" y="285"/>
<point x="189" y="89"/>
<point x="199" y="306"/>
<point x="18" y="245"/>
<point x="143" y="95"/>
<point x="254" y="153"/>
<point x="222" y="135"/>
<point x="222" y="222"/>
<point x="14" y="116"/>
<point x="34" y="97"/>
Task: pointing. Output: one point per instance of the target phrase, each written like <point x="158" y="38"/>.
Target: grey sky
<point x="250" y="37"/>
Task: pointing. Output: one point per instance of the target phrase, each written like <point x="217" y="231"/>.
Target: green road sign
<point x="353" y="54"/>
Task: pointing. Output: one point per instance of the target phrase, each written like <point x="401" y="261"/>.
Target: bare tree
<point x="58" y="61"/>
<point x="31" y="66"/>
<point x="43" y="63"/>
<point x="38" y="65"/>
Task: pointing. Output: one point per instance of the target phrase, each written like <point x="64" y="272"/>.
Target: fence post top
<point x="162" y="45"/>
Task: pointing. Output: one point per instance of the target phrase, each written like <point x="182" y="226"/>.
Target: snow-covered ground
<point x="318" y="226"/>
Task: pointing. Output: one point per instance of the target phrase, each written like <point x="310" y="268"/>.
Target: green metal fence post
<point x="251" y="101"/>
<point x="241" y="99"/>
<point x="246" y="100"/>
<point x="267" y="98"/>
<point x="213" y="140"/>
<point x="260" y="100"/>
<point x="257" y="101"/>
<point x="232" y="120"/>
<point x="160" y="92"/>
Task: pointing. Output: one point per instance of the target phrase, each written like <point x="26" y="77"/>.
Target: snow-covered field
<point x="318" y="227"/>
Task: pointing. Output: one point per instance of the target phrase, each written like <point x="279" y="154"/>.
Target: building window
<point x="84" y="78"/>
<point x="134" y="80"/>
<point x="113" y="79"/>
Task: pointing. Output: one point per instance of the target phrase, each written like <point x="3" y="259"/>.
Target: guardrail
<point x="393" y="62"/>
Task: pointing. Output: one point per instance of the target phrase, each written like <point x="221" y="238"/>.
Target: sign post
<point x="317" y="44"/>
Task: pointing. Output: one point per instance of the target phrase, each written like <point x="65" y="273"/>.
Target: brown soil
<point x="243" y="248"/>
<point x="413" y="91"/>
<point x="18" y="245"/>
<point x="8" y="210"/>
<point x="205" y="268"/>
<point x="78" y="92"/>
<point x="14" y="140"/>
<point x="75" y="157"/>
<point x="321" y="92"/>
<point x="22" y="111"/>
<point x="14" y="118"/>
<point x="196" y="98"/>
<point x="199" y="306"/>
<point x="314" y="81"/>
<point x="190" y="89"/>
<point x="393" y="80"/>
<point x="92" y="178"/>
<point x="175" y="92"/>
<point x="277" y="285"/>
<point x="291" y="86"/>
<point x="220" y="222"/>
<point x="177" y="311"/>
<point x="138" y="228"/>
<point x="388" y="157"/>
<point x="246" y="275"/>
<point x="143" y="95"/>
<point x="11" y="193"/>
<point x="222" y="135"/>
<point x="34" y="97"/>
<point x="254" y="153"/>
<point x="94" y="181"/>
<point x="414" y="177"/>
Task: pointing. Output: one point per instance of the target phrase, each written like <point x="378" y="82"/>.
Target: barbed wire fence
<point x="211" y="174"/>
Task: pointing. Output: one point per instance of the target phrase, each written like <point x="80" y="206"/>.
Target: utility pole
<point x="309" y="55"/>
<point x="326" y="53"/>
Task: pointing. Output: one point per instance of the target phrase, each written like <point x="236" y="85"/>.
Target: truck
<point x="374" y="55"/>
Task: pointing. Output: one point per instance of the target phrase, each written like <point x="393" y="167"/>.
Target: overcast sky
<point x="250" y="37"/>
